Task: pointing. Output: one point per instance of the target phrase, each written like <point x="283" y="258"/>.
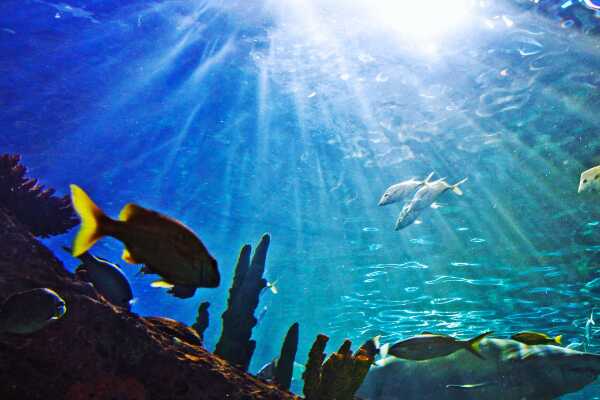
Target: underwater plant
<point x="285" y="364"/>
<point x="202" y="319"/>
<point x="235" y="344"/>
<point x="340" y="376"/>
<point x="33" y="205"/>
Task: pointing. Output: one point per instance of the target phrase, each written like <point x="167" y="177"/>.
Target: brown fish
<point x="428" y="346"/>
<point x="533" y="338"/>
<point x="165" y="246"/>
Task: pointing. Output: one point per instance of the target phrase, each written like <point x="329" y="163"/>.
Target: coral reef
<point x="285" y="363"/>
<point x="202" y="319"/>
<point x="340" y="376"/>
<point x="43" y="213"/>
<point x="101" y="349"/>
<point x="235" y="344"/>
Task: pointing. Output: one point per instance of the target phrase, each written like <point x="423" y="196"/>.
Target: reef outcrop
<point x="235" y="344"/>
<point x="340" y="376"/>
<point x="100" y="349"/>
<point x="33" y="205"/>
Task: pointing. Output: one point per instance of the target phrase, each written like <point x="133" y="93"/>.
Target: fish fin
<point x="131" y="211"/>
<point x="182" y="291"/>
<point x="472" y="345"/>
<point x="92" y="219"/>
<point x="384" y="350"/>
<point x="456" y="189"/>
<point x="127" y="257"/>
<point x="428" y="179"/>
<point x="162" y="284"/>
<point x="558" y="339"/>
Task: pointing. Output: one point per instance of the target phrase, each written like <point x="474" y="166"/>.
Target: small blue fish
<point x="106" y="277"/>
<point x="29" y="311"/>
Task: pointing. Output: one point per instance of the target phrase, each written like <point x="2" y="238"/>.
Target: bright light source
<point x="421" y="18"/>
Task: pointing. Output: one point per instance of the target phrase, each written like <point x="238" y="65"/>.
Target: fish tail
<point x="428" y="179"/>
<point x="92" y="221"/>
<point x="456" y="189"/>
<point x="558" y="339"/>
<point x="384" y="350"/>
<point x="472" y="345"/>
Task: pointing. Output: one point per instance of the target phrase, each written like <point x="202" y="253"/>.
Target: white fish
<point x="407" y="216"/>
<point x="267" y="371"/>
<point x="588" y="330"/>
<point x="429" y="193"/>
<point x="400" y="191"/>
<point x="590" y="180"/>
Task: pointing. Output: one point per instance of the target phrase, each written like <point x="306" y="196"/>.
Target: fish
<point x="408" y="215"/>
<point x="400" y="191"/>
<point x="272" y="286"/>
<point x="31" y="310"/>
<point x="510" y="370"/>
<point x="428" y="346"/>
<point x="589" y="180"/>
<point x="164" y="245"/>
<point x="429" y="193"/>
<point x="534" y="338"/>
<point x="267" y="371"/>
<point x="588" y="330"/>
<point x="108" y="278"/>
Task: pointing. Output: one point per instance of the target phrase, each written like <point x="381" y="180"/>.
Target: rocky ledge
<point x="98" y="351"/>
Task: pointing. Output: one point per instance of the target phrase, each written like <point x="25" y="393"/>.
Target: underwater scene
<point x="376" y="200"/>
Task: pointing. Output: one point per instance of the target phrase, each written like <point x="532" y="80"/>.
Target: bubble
<point x="370" y="229"/>
<point x="567" y="23"/>
<point x="381" y="77"/>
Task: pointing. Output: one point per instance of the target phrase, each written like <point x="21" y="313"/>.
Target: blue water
<point x="293" y="117"/>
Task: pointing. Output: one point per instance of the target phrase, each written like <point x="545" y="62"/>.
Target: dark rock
<point x="101" y="350"/>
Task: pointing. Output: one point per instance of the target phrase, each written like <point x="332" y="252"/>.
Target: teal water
<point x="293" y="117"/>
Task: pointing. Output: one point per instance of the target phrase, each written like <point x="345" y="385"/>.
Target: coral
<point x="202" y="319"/>
<point x="340" y="376"/>
<point x="44" y="214"/>
<point x="285" y="363"/>
<point x="235" y="344"/>
<point x="99" y="348"/>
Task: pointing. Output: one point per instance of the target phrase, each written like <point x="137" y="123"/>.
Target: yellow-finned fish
<point x="165" y="246"/>
<point x="534" y="338"/>
<point x="429" y="345"/>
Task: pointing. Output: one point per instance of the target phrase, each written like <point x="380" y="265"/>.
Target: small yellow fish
<point x="590" y="180"/>
<point x="429" y="345"/>
<point x="165" y="246"/>
<point x="533" y="338"/>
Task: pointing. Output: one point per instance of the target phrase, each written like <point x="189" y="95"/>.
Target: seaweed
<point x="285" y="364"/>
<point x="202" y="319"/>
<point x="340" y="376"/>
<point x="235" y="344"/>
<point x="33" y="205"/>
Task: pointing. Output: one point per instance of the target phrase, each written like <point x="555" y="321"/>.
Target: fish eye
<point x="585" y="181"/>
<point x="597" y="176"/>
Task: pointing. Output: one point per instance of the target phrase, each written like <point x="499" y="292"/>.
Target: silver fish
<point x="400" y="191"/>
